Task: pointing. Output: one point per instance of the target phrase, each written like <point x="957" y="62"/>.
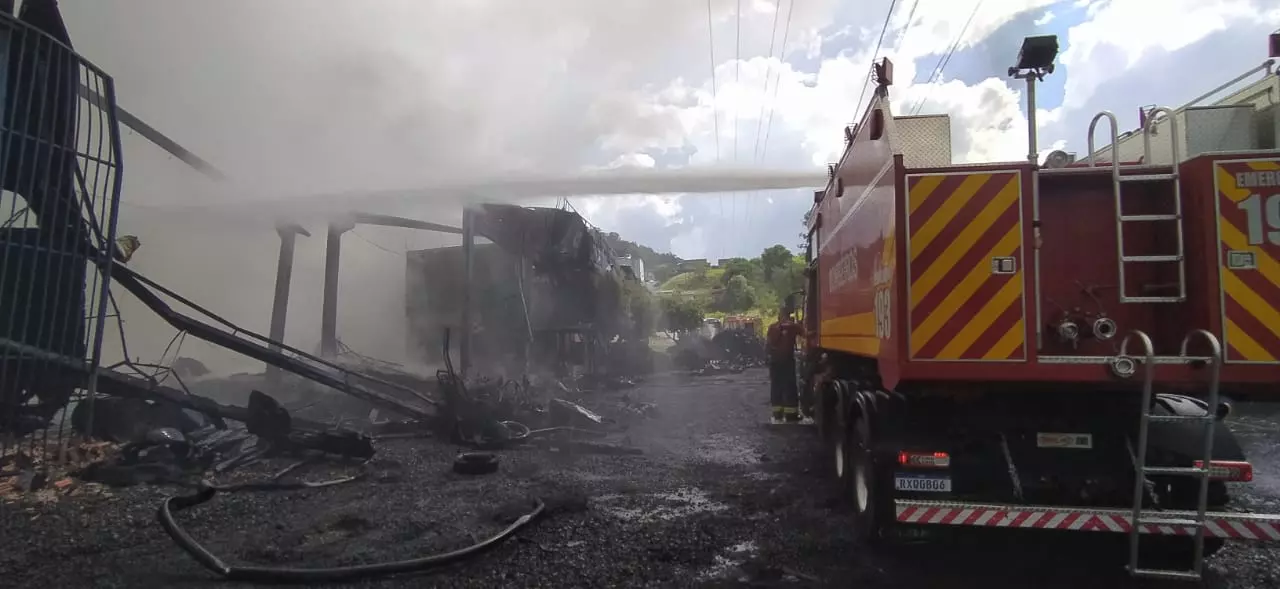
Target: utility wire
<point x="768" y="73"/>
<point x="375" y="244"/>
<point x="737" y="109"/>
<point x="773" y="36"/>
<point x="711" y="52"/>
<point x="777" y="81"/>
<point x="906" y="28"/>
<point x="875" y="54"/>
<point x="715" y="112"/>
<point x="737" y="73"/>
<point x="946" y="58"/>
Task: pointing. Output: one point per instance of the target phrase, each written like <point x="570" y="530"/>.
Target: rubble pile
<point x="729" y="351"/>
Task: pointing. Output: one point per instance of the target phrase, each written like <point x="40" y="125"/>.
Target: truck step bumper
<point x="1235" y="526"/>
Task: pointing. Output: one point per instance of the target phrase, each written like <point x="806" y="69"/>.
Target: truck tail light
<point x="924" y="459"/>
<point x="1228" y="470"/>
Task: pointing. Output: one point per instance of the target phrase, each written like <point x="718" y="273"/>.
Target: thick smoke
<point x="290" y="99"/>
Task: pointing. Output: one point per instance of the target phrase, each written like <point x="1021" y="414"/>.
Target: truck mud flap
<point x="1232" y="526"/>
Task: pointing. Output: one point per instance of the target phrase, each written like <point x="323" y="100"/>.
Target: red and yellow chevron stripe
<point x="1249" y="223"/>
<point x="960" y="308"/>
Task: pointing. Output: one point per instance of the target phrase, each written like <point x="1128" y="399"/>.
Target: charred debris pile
<point x="727" y="351"/>
<point x="148" y="424"/>
<point x="562" y="330"/>
<point x="545" y="294"/>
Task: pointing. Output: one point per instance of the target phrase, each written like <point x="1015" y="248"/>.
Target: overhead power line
<point x="737" y="74"/>
<point x="946" y="58"/>
<point x="777" y="80"/>
<point x="906" y="28"/>
<point x="764" y="93"/>
<point x="715" y="106"/>
<point x="768" y="73"/>
<point x="737" y="109"/>
<point x="875" y="54"/>
<point x="711" y="52"/>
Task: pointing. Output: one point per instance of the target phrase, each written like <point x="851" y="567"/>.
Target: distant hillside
<point x="754" y="286"/>
<point x="661" y="265"/>
<point x="695" y="282"/>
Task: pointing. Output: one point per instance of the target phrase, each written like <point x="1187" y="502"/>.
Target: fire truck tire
<point x="867" y="479"/>
<point x="825" y="416"/>
<point x="836" y="417"/>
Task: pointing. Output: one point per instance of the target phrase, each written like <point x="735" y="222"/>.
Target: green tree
<point x="700" y="274"/>
<point x="788" y="278"/>
<point x="640" y="307"/>
<point x="741" y="267"/>
<point x="681" y="313"/>
<point x="739" y="295"/>
<point x="773" y="258"/>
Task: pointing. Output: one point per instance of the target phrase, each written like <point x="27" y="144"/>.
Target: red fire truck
<point x="1044" y="345"/>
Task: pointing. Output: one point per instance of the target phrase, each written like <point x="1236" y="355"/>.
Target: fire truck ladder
<point x="1118" y="181"/>
<point x="1201" y="469"/>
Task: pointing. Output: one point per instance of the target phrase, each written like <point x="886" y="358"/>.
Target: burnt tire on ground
<point x="474" y="463"/>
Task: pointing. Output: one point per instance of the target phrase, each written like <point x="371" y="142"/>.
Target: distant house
<point x="632" y="266"/>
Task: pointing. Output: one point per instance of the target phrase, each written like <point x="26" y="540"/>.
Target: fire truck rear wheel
<point x="864" y="480"/>
<point x="828" y="427"/>
<point x="839" y="449"/>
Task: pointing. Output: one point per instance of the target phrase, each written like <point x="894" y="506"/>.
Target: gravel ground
<point x="718" y="499"/>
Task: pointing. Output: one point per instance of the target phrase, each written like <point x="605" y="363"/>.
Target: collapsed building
<point x="544" y="293"/>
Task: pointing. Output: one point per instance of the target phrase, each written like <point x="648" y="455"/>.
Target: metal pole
<point x="329" y="311"/>
<point x="107" y="256"/>
<point x="1033" y="154"/>
<point x="468" y="255"/>
<point x="284" y="276"/>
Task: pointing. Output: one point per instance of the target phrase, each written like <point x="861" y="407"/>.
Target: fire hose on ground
<point x="283" y="575"/>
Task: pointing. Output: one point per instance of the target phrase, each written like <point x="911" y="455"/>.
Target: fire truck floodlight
<point x="1038" y="53"/>
<point x="1035" y="60"/>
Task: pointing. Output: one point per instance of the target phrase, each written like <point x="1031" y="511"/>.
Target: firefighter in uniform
<point x="781" y="349"/>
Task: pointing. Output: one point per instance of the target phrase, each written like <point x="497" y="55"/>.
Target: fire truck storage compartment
<point x="1242" y="192"/>
<point x="1080" y="264"/>
<point x="965" y="244"/>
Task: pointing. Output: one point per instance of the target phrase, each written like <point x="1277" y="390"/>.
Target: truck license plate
<point x="922" y="484"/>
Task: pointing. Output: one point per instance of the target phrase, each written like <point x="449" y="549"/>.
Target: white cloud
<point x="1119" y="34"/>
<point x="937" y="23"/>
<point x="814" y="108"/>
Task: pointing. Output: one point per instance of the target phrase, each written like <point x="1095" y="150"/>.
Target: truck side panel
<point x="857" y="252"/>
<point x="965" y="243"/>
<point x="1247" y="194"/>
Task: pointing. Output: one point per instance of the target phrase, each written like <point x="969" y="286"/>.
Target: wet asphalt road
<point x="718" y="499"/>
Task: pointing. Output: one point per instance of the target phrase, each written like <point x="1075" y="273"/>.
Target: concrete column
<point x="329" y="310"/>
<point x="468" y="255"/>
<point x="284" y="276"/>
